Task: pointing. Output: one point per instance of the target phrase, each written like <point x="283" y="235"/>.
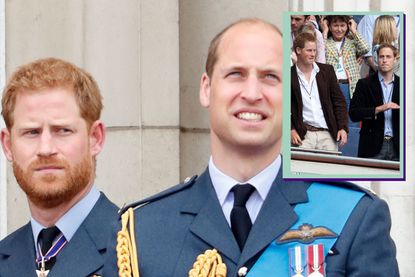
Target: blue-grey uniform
<point x="175" y="226"/>
<point x="83" y="255"/>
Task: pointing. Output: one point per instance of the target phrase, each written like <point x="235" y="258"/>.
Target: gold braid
<point x="208" y="264"/>
<point x="127" y="260"/>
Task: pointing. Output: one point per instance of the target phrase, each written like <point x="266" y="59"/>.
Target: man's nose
<point x="252" y="90"/>
<point x="47" y="145"/>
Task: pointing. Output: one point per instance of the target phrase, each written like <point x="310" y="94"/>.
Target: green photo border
<point x="286" y="142"/>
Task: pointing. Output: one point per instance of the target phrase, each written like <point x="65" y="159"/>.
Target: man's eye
<point x="31" y="132"/>
<point x="271" y="76"/>
<point x="64" y="131"/>
<point x="234" y="74"/>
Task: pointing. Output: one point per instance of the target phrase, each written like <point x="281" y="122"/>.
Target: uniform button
<point x="186" y="180"/>
<point x="242" y="271"/>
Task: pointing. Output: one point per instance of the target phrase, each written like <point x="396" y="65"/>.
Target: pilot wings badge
<point x="306" y="233"/>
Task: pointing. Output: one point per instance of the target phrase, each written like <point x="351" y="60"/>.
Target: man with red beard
<point x="51" y="109"/>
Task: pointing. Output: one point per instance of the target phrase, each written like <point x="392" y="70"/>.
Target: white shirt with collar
<point x="312" y="111"/>
<point x="262" y="183"/>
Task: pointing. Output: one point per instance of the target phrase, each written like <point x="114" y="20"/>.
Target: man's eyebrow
<point x="271" y="69"/>
<point x="232" y="68"/>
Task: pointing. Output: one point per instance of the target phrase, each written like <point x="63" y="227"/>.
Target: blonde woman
<point x="385" y="31"/>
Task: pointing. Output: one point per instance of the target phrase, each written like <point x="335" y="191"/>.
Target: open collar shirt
<point x="312" y="111"/>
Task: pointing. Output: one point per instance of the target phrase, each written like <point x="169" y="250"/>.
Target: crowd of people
<point x="325" y="111"/>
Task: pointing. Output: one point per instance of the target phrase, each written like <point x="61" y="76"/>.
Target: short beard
<point x="51" y="190"/>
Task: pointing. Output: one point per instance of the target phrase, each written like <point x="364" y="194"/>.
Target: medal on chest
<point x="297" y="261"/>
<point x="306" y="260"/>
<point x="54" y="250"/>
<point x="42" y="272"/>
<point x="315" y="260"/>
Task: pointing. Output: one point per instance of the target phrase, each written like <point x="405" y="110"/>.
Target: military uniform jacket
<point x="331" y="99"/>
<point x="368" y="96"/>
<point x="82" y="256"/>
<point x="181" y="223"/>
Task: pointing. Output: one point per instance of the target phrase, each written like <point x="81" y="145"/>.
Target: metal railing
<point x="336" y="158"/>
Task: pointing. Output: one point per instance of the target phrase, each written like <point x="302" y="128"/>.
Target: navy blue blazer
<point x="182" y="222"/>
<point x="82" y="256"/>
<point x="367" y="96"/>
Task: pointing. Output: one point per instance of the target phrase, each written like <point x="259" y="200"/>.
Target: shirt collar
<point x="72" y="219"/>
<point x="316" y="69"/>
<point x="382" y="79"/>
<point x="262" y="181"/>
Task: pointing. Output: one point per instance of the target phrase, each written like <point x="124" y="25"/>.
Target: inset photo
<point x="344" y="88"/>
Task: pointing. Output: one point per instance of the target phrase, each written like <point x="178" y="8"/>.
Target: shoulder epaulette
<point x="189" y="181"/>
<point x="351" y="186"/>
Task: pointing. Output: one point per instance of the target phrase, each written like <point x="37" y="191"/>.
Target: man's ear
<point x="96" y="137"/>
<point x="297" y="50"/>
<point x="5" y="143"/>
<point x="204" y="92"/>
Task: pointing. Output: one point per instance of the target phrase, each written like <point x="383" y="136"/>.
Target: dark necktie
<point x="46" y="238"/>
<point x="240" y="221"/>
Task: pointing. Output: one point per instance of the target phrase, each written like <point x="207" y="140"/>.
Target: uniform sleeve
<point x="110" y="265"/>
<point x="373" y="252"/>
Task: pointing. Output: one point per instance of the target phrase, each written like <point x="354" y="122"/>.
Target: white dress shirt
<point x="262" y="183"/>
<point x="312" y="111"/>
